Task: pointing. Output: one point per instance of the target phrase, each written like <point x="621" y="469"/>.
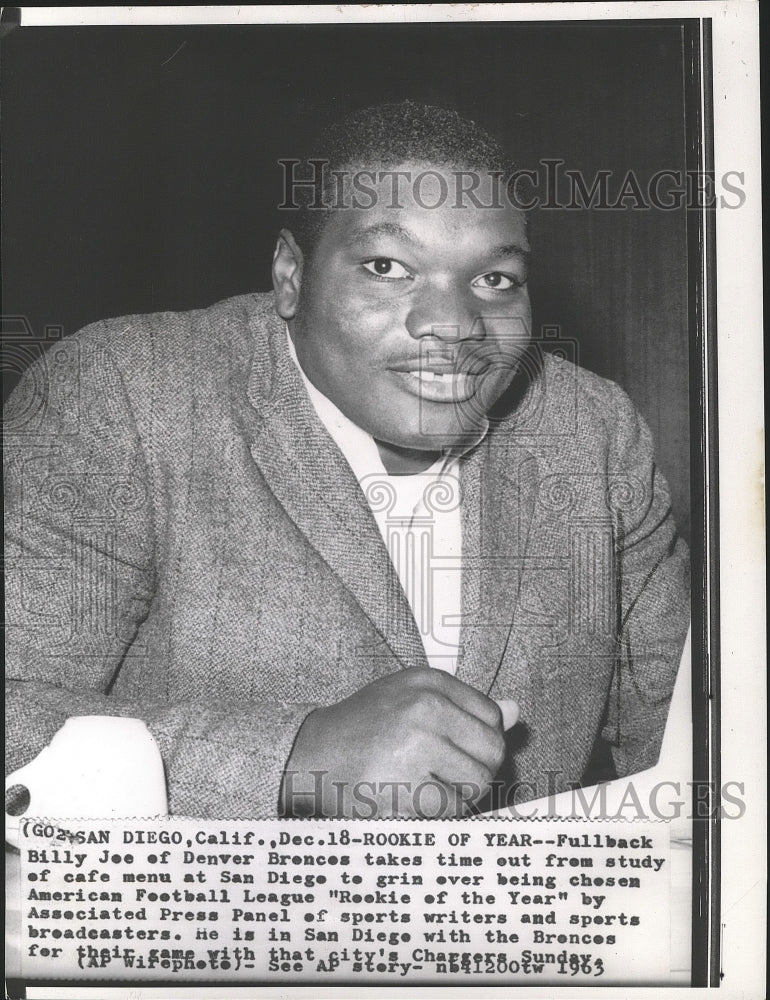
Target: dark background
<point x="139" y="170"/>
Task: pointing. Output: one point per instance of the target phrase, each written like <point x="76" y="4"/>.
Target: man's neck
<point x="405" y="461"/>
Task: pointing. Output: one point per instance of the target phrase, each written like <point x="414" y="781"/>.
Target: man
<point x="358" y="548"/>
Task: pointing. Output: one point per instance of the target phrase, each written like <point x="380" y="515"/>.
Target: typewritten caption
<point x="530" y="901"/>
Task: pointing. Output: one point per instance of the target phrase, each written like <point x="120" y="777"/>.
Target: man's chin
<point x="435" y="439"/>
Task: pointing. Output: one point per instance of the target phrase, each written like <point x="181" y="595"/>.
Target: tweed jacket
<point x="186" y="545"/>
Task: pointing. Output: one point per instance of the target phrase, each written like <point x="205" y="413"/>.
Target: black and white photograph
<point x="377" y="505"/>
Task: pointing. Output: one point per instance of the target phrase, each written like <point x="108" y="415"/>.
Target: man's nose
<point x="445" y="315"/>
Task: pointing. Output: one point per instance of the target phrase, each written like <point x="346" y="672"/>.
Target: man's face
<point x="412" y="320"/>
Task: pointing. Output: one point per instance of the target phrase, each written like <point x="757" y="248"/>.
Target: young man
<point x="357" y="548"/>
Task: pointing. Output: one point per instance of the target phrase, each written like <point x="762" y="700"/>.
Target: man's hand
<point x="415" y="743"/>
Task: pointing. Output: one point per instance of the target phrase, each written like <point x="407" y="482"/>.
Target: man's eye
<point x="497" y="280"/>
<point x="385" y="267"/>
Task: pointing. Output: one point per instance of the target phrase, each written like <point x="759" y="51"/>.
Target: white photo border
<point x="732" y="887"/>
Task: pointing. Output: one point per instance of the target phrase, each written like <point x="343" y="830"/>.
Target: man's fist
<point x="414" y="743"/>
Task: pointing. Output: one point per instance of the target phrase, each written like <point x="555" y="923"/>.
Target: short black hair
<point x="387" y="135"/>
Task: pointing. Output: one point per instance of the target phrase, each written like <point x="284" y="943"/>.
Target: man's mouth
<point x="438" y="387"/>
<point x="438" y="378"/>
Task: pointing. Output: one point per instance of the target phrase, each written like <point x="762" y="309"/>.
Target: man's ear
<point x="288" y="264"/>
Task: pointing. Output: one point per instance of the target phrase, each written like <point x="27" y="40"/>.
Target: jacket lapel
<point x="499" y="482"/>
<point x="314" y="484"/>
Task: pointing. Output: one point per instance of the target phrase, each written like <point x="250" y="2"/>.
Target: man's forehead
<point x="504" y="237"/>
<point x="496" y="231"/>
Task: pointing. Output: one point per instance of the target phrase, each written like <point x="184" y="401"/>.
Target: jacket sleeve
<point x="81" y="568"/>
<point x="653" y="594"/>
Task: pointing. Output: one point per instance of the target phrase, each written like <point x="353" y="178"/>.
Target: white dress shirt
<point x="419" y="517"/>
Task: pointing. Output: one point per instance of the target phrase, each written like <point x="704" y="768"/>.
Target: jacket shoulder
<point x="163" y="365"/>
<point x="563" y="398"/>
<point x="232" y="324"/>
<point x="592" y="389"/>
